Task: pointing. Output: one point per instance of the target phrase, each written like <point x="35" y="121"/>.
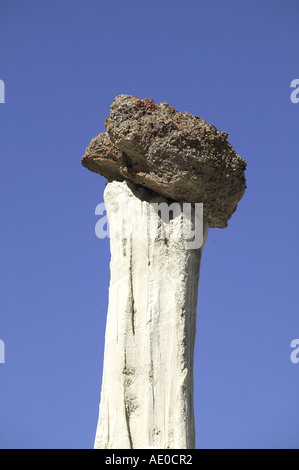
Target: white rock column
<point x="147" y="384"/>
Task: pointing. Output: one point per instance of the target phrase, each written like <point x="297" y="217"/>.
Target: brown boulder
<point x="177" y="155"/>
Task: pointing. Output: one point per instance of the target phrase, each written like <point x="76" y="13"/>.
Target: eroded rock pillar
<point x="147" y="384"/>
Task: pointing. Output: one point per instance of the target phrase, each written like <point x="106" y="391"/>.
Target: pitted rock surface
<point x="179" y="156"/>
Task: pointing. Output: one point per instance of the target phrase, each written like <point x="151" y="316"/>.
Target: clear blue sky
<point x="63" y="62"/>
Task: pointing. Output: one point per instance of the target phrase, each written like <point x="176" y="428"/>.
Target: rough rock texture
<point x="147" y="385"/>
<point x="177" y="155"/>
<point x="148" y="151"/>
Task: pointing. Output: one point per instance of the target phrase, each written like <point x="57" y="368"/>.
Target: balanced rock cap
<point x="179" y="156"/>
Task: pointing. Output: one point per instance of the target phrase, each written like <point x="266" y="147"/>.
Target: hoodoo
<point x="156" y="158"/>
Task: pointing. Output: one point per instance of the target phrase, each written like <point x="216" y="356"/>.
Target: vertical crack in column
<point x="131" y="302"/>
<point x="126" y="384"/>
